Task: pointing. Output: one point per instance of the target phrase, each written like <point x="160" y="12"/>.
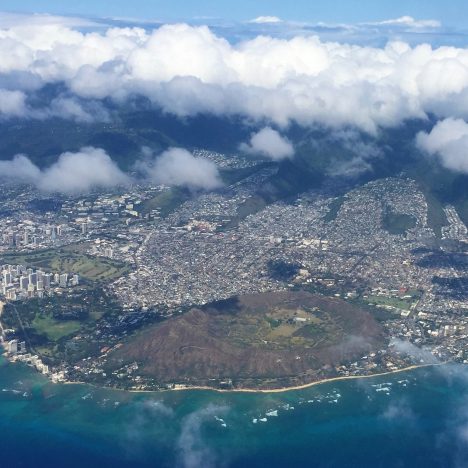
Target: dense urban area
<point x="81" y="276"/>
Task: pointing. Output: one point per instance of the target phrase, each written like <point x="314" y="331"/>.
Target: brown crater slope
<point x="257" y="341"/>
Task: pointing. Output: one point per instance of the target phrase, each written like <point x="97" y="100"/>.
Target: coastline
<point x="264" y="391"/>
<point x="304" y="386"/>
<point x="180" y="388"/>
<point x="2" y="305"/>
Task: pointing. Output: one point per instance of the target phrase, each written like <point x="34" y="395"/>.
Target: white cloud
<point x="72" y="173"/>
<point x="269" y="143"/>
<point x="399" y="410"/>
<point x="449" y="141"/>
<point x="266" y="20"/>
<point x="19" y="169"/>
<point x="192" y="448"/>
<point x="82" y="171"/>
<point x="188" y="70"/>
<point x="92" y="168"/>
<point x="177" y="166"/>
<point x="71" y="108"/>
<point x="12" y="103"/>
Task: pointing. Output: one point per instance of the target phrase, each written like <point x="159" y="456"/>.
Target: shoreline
<point x="263" y="391"/>
<point x="241" y="390"/>
<point x="2" y="305"/>
<point x="300" y="387"/>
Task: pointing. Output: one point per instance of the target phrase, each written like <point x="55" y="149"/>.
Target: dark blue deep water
<point x="412" y="419"/>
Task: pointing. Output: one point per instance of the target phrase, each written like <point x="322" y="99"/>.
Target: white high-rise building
<point x="63" y="281"/>
<point x="7" y="278"/>
<point x="11" y="294"/>
<point x="12" y="346"/>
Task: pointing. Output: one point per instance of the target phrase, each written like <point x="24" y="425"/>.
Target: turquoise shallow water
<point x="414" y="419"/>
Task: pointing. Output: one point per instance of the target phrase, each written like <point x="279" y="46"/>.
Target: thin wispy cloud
<point x="266" y="20"/>
<point x="16" y="20"/>
<point x="193" y="449"/>
<point x="408" y="21"/>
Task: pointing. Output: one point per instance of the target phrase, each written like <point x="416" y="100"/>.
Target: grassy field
<point x="68" y="260"/>
<point x="54" y="329"/>
<point x="335" y="206"/>
<point x="391" y="301"/>
<point x="397" y="223"/>
<point x="50" y="324"/>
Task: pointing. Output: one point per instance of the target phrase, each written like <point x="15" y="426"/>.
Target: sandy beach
<point x="302" y="387"/>
<point x="264" y="391"/>
<point x="2" y="305"/>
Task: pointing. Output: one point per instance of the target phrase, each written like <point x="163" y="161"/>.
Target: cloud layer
<point x="189" y="70"/>
<point x="92" y="168"/>
<point x="269" y="143"/>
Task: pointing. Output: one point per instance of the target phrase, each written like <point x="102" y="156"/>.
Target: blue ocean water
<point x="413" y="419"/>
